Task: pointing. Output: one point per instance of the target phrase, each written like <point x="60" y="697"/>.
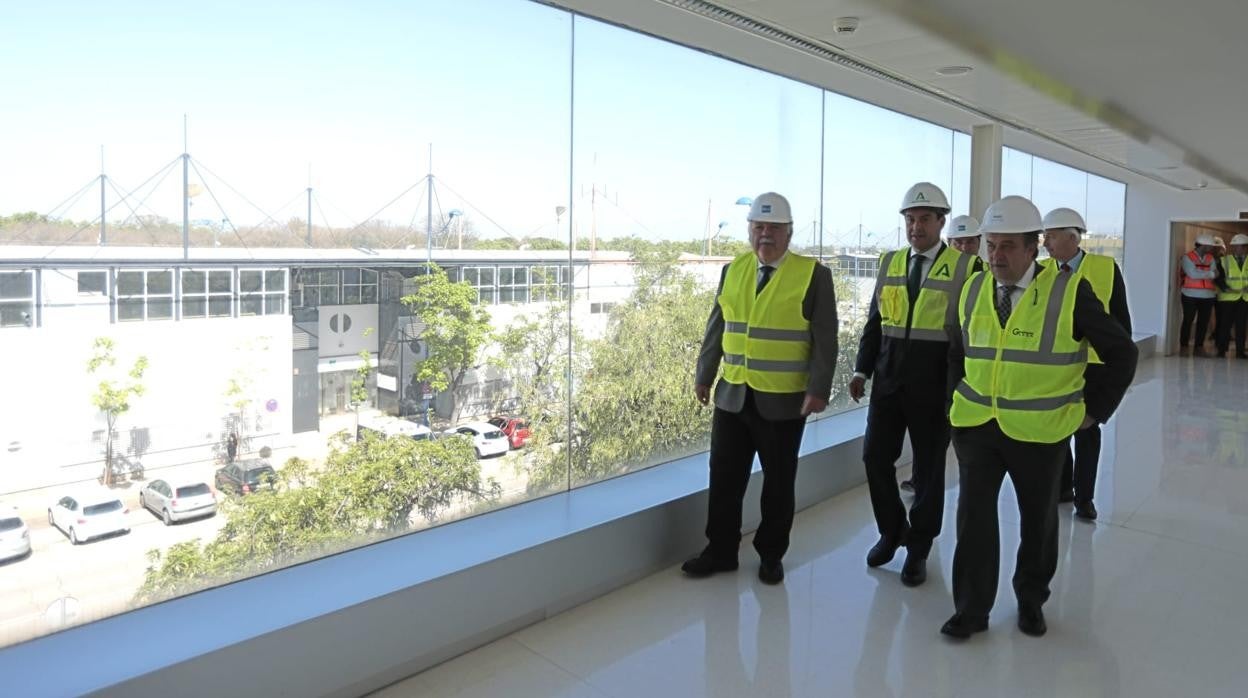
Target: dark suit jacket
<point x="1104" y="388"/>
<point x="891" y="362"/>
<point x="819" y="307"/>
<point x="1118" y="301"/>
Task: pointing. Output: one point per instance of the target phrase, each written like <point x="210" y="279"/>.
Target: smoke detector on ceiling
<point x="845" y="25"/>
<point x="950" y="71"/>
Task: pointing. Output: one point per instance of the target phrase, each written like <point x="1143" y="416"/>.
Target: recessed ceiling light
<point x="1168" y="167"/>
<point x="954" y="70"/>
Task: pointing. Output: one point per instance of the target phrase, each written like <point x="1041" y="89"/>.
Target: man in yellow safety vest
<point x="1063" y="228"/>
<point x="774" y="330"/>
<point x="1233" y="298"/>
<point x="1017" y="355"/>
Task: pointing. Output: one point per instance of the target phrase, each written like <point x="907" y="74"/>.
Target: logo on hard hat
<point x="961" y="227"/>
<point x="920" y="197"/>
<point x="766" y="208"/>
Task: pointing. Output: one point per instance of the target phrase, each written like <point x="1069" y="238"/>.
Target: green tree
<point x="359" y="382"/>
<point x="367" y="490"/>
<point x="457" y="328"/>
<point x="534" y="352"/>
<point x="632" y="402"/>
<point x="113" y="393"/>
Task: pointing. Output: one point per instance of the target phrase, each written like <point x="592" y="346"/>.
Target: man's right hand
<point x="703" y="393"/>
<point x="857" y="388"/>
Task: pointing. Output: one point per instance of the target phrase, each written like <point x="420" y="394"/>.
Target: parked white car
<point x="387" y="426"/>
<point x="14" y="535"/>
<point x="178" y="501"/>
<point x="487" y="439"/>
<point x="90" y="514"/>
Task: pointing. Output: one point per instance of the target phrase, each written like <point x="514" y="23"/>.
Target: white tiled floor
<point x="1147" y="602"/>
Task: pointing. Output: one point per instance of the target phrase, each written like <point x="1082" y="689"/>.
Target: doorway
<point x="1183" y="236"/>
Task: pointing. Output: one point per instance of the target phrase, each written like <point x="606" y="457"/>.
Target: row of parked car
<point x="493" y="437"/>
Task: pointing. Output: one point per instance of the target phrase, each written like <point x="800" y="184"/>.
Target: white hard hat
<point x="1240" y="239"/>
<point x="1013" y="214"/>
<point x="770" y="207"/>
<point x="924" y="195"/>
<point x="1206" y="239"/>
<point x="1064" y="218"/>
<point x="963" y="227"/>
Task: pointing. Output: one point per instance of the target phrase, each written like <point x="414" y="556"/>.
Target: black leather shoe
<point x="1085" y="510"/>
<point x="705" y="564"/>
<point x="1065" y="496"/>
<point x="770" y="572"/>
<point x="914" y="572"/>
<point x="1031" y="621"/>
<point x="907" y="485"/>
<point x="961" y="627"/>
<point x="885" y="548"/>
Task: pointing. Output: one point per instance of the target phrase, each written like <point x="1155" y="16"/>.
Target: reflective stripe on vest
<point x="935" y="305"/>
<point x="766" y="339"/>
<point x="1201" y="264"/>
<point x="1234" y="274"/>
<point x="1098" y="269"/>
<point x="1029" y="375"/>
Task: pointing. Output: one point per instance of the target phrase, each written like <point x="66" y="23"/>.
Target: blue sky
<point x="358" y="91"/>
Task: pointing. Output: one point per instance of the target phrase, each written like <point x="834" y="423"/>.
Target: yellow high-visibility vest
<point x="766" y="339"/>
<point x="1098" y="269"/>
<point x="933" y="308"/>
<point x="1235" y="275"/>
<point x="1028" y="375"/>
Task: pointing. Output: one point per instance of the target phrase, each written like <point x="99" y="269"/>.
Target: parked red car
<point x="516" y="429"/>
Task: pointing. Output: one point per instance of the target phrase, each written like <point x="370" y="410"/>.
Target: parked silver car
<point x="178" y="501"/>
<point x="14" y="536"/>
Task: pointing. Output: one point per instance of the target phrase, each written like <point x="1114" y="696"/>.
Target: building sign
<point x="342" y="330"/>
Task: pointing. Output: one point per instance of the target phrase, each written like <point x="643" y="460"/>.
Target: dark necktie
<point x="915" y="281"/>
<point x="1065" y="266"/>
<point x="1004" y="304"/>
<point x="762" y="280"/>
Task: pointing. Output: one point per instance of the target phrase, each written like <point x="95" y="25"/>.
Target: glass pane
<point x="350" y="295"/>
<point x="521" y="276"/>
<point x="274" y="304"/>
<point x="485" y="276"/>
<point x="504" y="295"/>
<point x="130" y="309"/>
<point x="520" y="295"/>
<point x="193" y="281"/>
<point x="219" y="306"/>
<point x="329" y="295"/>
<point x="368" y="276"/>
<point x="328" y="277"/>
<point x="470" y="275"/>
<point x="504" y="276"/>
<point x="250" y="305"/>
<point x="160" y="282"/>
<point x="1055" y="185"/>
<point x="1016" y="173"/>
<point x="369" y="294"/>
<point x="250" y="281"/>
<point x="159" y="309"/>
<point x="350" y="276"/>
<point x="192" y="306"/>
<point x="311" y="296"/>
<point x="275" y="280"/>
<point x="92" y="282"/>
<point x="17" y="284"/>
<point x="17" y="314"/>
<point x="220" y="281"/>
<point x="1107" y="204"/>
<point x="129" y="283"/>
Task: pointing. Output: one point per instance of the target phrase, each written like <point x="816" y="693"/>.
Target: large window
<point x="144" y="295"/>
<point x="1050" y="185"/>
<point x="359" y="286"/>
<point x="207" y="293"/>
<point x="17" y="298"/>
<point x="582" y="205"/>
<point x="261" y="291"/>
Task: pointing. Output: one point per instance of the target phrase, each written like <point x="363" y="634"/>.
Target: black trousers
<point x="1232" y="315"/>
<point x="735" y="438"/>
<point x="889" y="417"/>
<point x="985" y="456"/>
<point x="1079" y="466"/>
<point x="1198" y="309"/>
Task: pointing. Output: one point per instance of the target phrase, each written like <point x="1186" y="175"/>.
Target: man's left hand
<point x="1087" y="422"/>
<point x="813" y="404"/>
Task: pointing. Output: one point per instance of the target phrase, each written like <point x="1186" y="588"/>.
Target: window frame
<point x="146" y="297"/>
<point x="31" y="301"/>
